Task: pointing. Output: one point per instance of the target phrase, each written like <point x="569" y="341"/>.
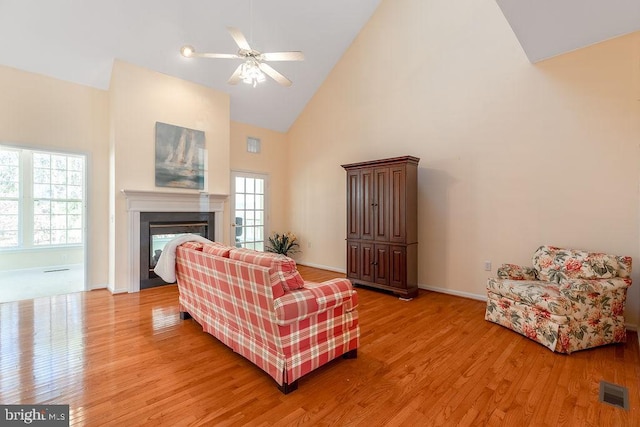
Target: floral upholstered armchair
<point x="570" y="300"/>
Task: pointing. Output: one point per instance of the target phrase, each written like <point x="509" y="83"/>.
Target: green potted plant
<point x="285" y="243"/>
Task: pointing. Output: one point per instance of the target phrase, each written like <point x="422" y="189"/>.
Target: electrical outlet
<point x="487" y="266"/>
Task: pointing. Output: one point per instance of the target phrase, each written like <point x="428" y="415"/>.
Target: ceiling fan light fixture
<point x="254" y="69"/>
<point x="251" y="74"/>
<point x="187" y="51"/>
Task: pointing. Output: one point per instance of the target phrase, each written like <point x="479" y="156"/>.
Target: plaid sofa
<point x="570" y="300"/>
<point x="258" y="304"/>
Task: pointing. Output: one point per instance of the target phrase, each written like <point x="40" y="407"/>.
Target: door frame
<point x="232" y="206"/>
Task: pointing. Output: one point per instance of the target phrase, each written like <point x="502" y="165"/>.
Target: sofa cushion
<point x="217" y="249"/>
<point x="559" y="265"/>
<point x="546" y="297"/>
<point x="282" y="269"/>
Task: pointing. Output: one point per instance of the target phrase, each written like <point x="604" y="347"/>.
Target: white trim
<point x="322" y="267"/>
<point x="159" y="201"/>
<point x="453" y="292"/>
<point x="265" y="202"/>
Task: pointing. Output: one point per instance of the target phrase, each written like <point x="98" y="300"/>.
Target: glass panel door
<point x="249" y="209"/>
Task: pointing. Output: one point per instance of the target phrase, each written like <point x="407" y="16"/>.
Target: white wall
<point x="514" y="155"/>
<point x="138" y="99"/>
<point x="271" y="161"/>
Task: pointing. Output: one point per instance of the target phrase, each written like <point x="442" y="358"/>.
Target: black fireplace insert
<point x="158" y="228"/>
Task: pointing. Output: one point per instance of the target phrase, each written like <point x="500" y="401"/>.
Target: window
<point x="41" y="198"/>
<point x="57" y="199"/>
<point x="9" y="197"/>
<point x="249" y="194"/>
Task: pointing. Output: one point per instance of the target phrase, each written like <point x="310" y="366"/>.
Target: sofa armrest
<point x="516" y="272"/>
<point x="313" y="299"/>
<point x="596" y="298"/>
<point x="595" y="285"/>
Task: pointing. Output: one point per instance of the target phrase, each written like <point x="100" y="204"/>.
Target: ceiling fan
<point x="253" y="68"/>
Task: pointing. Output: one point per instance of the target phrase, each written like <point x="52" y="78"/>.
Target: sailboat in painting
<point x="179" y="157"/>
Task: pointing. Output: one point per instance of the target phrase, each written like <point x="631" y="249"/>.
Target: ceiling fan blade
<point x="283" y="56"/>
<point x="215" y="55"/>
<point x="235" y="77"/>
<point x="239" y="38"/>
<point x="268" y="70"/>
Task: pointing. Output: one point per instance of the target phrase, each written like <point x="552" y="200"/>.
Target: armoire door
<point x="354" y="204"/>
<point x="367" y="204"/>
<point x="398" y="266"/>
<point x="353" y="260"/>
<point x="397" y="205"/>
<point x="381" y="263"/>
<point x="367" y="262"/>
<point x="381" y="204"/>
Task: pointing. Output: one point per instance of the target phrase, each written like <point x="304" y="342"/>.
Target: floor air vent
<point x="614" y="395"/>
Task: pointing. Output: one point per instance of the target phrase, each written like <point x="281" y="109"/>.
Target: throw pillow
<point x="217" y="249"/>
<point x="282" y="269"/>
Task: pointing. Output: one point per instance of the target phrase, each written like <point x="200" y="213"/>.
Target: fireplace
<point x="158" y="228"/>
<point x="209" y="208"/>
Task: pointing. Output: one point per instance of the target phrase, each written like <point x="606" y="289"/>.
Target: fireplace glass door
<point x="161" y="234"/>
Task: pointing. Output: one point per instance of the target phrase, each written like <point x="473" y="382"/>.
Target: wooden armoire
<point x="382" y="224"/>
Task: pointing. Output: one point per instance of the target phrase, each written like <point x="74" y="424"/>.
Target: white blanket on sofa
<point x="166" y="266"/>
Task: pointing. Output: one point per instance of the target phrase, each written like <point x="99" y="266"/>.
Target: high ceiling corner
<point x="546" y="28"/>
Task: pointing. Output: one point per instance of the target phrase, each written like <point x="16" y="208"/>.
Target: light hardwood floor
<point x="129" y="360"/>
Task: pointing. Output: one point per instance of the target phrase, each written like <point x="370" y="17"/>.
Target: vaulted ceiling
<point x="78" y="41"/>
<point x="547" y="28"/>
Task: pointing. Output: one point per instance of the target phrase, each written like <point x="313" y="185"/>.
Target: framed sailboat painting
<point x="180" y="157"/>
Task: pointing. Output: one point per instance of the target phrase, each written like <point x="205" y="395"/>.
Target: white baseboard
<point x="116" y="291"/>
<point x="453" y="292"/>
<point x="322" y="267"/>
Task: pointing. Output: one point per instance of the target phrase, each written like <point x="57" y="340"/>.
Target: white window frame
<point x="248" y="174"/>
<point x="26" y="201"/>
<point x="17" y="199"/>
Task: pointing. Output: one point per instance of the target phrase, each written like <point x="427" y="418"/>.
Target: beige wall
<point x="514" y="155"/>
<point x="38" y="258"/>
<point x="272" y="161"/>
<point x="41" y="112"/>
<point x="138" y="99"/>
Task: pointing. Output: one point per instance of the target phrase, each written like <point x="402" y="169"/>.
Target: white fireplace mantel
<point x="161" y="201"/>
